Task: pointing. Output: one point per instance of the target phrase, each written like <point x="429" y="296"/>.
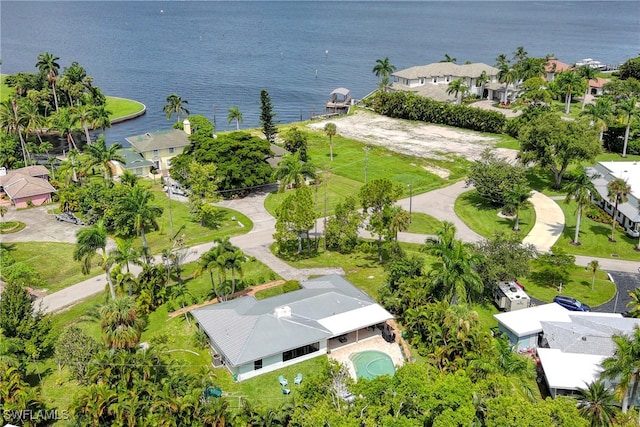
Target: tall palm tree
<point x="65" y="122"/>
<point x="13" y="120"/>
<point x="569" y="83"/>
<point x="101" y="155"/>
<point x="100" y="117"/>
<point x="507" y="76"/>
<point x="383" y="70"/>
<point x="235" y="114"/>
<point x="581" y="189"/>
<point x="448" y="58"/>
<point x="213" y="261"/>
<point x="502" y="61"/>
<point x="125" y="254"/>
<point x="516" y="198"/>
<point x="176" y="105"/>
<point x="49" y="68"/>
<point x="628" y="108"/>
<point x="233" y="261"/>
<point x="457" y="87"/>
<point x="138" y="215"/>
<point x="600" y="113"/>
<point x="83" y="113"/>
<point x="617" y="191"/>
<point x="623" y="367"/>
<point x="587" y="74"/>
<point x="120" y="324"/>
<point x="34" y="121"/>
<point x="520" y="54"/>
<point x="90" y="239"/>
<point x="597" y="404"/>
<point x="330" y="130"/>
<point x="293" y="171"/>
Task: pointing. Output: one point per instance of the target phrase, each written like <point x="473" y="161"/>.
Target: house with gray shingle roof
<point x="161" y="146"/>
<point x="252" y="337"/>
<point x="433" y="80"/>
<point x="26" y="186"/>
<point x="133" y="162"/>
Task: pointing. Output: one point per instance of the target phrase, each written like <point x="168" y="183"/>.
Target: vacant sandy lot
<point x="423" y="140"/>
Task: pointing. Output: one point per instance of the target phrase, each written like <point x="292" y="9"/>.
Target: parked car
<point x="571" y="303"/>
<point x="177" y="191"/>
<point x="69" y="217"/>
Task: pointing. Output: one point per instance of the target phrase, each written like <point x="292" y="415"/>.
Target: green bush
<point x="290" y="286"/>
<point x="407" y="105"/>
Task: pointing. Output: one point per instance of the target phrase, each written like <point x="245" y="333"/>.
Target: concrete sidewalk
<point x="549" y="223"/>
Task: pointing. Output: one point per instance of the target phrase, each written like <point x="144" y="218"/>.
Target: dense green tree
<point x="235" y="115"/>
<point x="554" y="144"/>
<point x="19" y="400"/>
<point x="617" y="192"/>
<point x="175" y="105"/>
<point x="554" y="267"/>
<point x="296" y="142"/>
<point x="600" y="113"/>
<point x="493" y="177"/>
<point x="292" y="171"/>
<point x="505" y="258"/>
<point x="375" y="196"/>
<point x="581" y="189"/>
<point x="535" y="92"/>
<point x="120" y="324"/>
<point x="630" y="69"/>
<point x="295" y="217"/>
<point x="137" y="215"/>
<point x="267" y="117"/>
<point x="100" y="155"/>
<point x="568" y="82"/>
<point x="75" y="349"/>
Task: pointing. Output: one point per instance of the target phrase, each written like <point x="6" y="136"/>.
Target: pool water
<point x="370" y="364"/>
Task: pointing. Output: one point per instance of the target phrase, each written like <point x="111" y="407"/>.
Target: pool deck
<point x="375" y="342"/>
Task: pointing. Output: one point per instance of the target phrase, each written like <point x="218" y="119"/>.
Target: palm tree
<point x="124" y="254"/>
<point x="593" y="266"/>
<point x="600" y="113"/>
<point x="49" y="69"/>
<point x="507" y="76"/>
<point x="210" y="261"/>
<point x="581" y="189"/>
<point x="90" y="239"/>
<point x="457" y="87"/>
<point x="628" y="107"/>
<point x="34" y="121"/>
<point x="176" y="105"/>
<point x="569" y="82"/>
<point x="65" y="122"/>
<point x="398" y="220"/>
<point x="233" y="261"/>
<point x="11" y="119"/>
<point x="120" y="324"/>
<point x="101" y="155"/>
<point x="515" y="199"/>
<point x="618" y="189"/>
<point x="597" y="404"/>
<point x="292" y="171"/>
<point x="587" y="73"/>
<point x="634" y="303"/>
<point x="502" y="61"/>
<point x="383" y="69"/>
<point x="448" y="58"/>
<point x="235" y="114"/>
<point x="519" y="54"/>
<point x="100" y="117"/>
<point x="331" y="130"/>
<point x="3" y="211"/>
<point x="137" y="215"/>
<point x="623" y="367"/>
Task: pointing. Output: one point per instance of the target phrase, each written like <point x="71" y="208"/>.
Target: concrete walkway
<point x="549" y="223"/>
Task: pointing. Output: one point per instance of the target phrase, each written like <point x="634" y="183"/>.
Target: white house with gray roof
<point x="433" y="80"/>
<point x="252" y="337"/>
<point x="629" y="211"/>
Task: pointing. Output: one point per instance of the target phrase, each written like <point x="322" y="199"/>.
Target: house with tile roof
<point x="28" y="186"/>
<point x="161" y="146"/>
<point x="628" y="212"/>
<point x="552" y="67"/>
<point x="252" y="337"/>
<point x="433" y="80"/>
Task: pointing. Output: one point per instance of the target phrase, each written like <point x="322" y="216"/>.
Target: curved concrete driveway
<point x="549" y="223"/>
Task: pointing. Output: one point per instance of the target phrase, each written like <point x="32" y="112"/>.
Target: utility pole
<point x="326" y="178"/>
<point x="366" y="162"/>
<point x="214" y="119"/>
<point x="410" y="200"/>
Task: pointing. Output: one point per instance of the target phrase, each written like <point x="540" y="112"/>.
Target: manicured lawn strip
<point x="11" y="227"/>
<point x="423" y="224"/>
<point x="578" y="286"/>
<point x="485" y="312"/>
<point x="120" y="107"/>
<point x="506" y="141"/>
<point x="53" y="261"/>
<point x="484" y="219"/>
<point x="5" y="91"/>
<point x="594" y="237"/>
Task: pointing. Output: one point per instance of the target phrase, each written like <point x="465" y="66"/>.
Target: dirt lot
<point x="415" y="139"/>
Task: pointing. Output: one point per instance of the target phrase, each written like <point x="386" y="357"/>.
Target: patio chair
<point x="285" y="390"/>
<point x="298" y="379"/>
<point x="283" y="381"/>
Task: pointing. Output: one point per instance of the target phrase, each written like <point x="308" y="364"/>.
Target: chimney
<point x="186" y="124"/>
<point x="282" y="312"/>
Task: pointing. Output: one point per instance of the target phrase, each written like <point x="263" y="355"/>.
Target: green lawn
<point x="483" y="218"/>
<point x="578" y="286"/>
<point x="423" y="224"/>
<point x="120" y="107"/>
<point x="5" y="91"/>
<point x="594" y="238"/>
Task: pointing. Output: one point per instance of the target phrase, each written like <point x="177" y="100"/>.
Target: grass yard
<point x="594" y="237"/>
<point x="484" y="219"/>
<point x="5" y="91"/>
<point x="121" y="107"/>
<point x="53" y="261"/>
<point x="578" y="286"/>
<point x="423" y="224"/>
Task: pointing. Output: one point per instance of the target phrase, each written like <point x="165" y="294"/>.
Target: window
<point x="155" y="152"/>
<point x="435" y="80"/>
<point x="171" y="150"/>
<point x="257" y="364"/>
<point x="300" y="351"/>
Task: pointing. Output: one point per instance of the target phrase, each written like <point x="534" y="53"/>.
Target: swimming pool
<point x="370" y="364"/>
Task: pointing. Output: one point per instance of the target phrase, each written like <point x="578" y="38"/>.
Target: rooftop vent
<point x="282" y="312"/>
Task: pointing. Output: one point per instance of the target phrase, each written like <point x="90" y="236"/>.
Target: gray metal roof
<point x="246" y="329"/>
<point x="630" y="172"/>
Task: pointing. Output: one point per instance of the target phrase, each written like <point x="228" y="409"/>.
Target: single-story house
<point x="134" y="162"/>
<point x="26" y="186"/>
<point x="433" y="80"/>
<point x="628" y="214"/>
<point x="161" y="146"/>
<point x="252" y="337"/>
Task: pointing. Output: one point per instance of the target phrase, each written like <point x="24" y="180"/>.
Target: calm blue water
<point x="224" y="53"/>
